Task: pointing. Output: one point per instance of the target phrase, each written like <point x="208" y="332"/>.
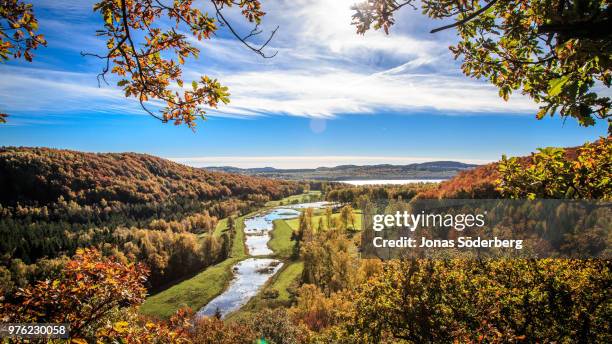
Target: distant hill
<point x="427" y="170"/>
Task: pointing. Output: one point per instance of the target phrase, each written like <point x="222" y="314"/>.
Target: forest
<point x="131" y="206"/>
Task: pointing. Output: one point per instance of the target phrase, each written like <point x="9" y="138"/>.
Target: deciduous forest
<point x="131" y="248"/>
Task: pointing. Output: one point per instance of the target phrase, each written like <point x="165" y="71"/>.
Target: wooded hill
<point x="427" y="170"/>
<point x="42" y="175"/>
<point x="576" y="172"/>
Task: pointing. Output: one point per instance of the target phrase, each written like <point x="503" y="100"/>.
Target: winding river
<point x="252" y="273"/>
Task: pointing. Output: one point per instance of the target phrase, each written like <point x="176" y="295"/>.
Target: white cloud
<point x="324" y="69"/>
<point x="297" y="92"/>
<point x="45" y="91"/>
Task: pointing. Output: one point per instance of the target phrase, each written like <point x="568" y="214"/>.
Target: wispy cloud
<point x="46" y="91"/>
<point x="297" y="92"/>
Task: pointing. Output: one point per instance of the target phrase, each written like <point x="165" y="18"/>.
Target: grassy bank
<point x="281" y="282"/>
<point x="277" y="292"/>
<point x="221" y="226"/>
<point x="302" y="198"/>
<point x="281" y="242"/>
<point x="197" y="291"/>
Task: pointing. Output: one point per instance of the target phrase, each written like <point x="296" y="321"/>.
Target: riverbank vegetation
<point x="195" y="292"/>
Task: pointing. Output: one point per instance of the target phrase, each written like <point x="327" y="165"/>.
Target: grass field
<point x="305" y="197"/>
<point x="285" y="278"/>
<point x="221" y="226"/>
<point x="281" y="242"/>
<point x="282" y="245"/>
<point x="197" y="291"/>
<point x="281" y="282"/>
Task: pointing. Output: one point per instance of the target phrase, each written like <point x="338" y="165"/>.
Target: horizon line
<point x="301" y="162"/>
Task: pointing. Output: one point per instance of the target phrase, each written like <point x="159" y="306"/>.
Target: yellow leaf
<point x="121" y="326"/>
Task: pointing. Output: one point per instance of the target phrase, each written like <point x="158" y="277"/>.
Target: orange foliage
<point x="480" y="182"/>
<point x="476" y="183"/>
<point x="85" y="295"/>
<point x="42" y="175"/>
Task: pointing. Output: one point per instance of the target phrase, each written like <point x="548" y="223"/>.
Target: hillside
<point x="428" y="170"/>
<point x="480" y="182"/>
<point x="42" y="175"/>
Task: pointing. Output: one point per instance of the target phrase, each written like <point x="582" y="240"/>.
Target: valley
<point x="204" y="255"/>
<point x="261" y="256"/>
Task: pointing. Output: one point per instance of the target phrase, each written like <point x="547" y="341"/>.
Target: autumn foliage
<point x="148" y="56"/>
<point x="556" y="52"/>
<point x="578" y="172"/>
<point x="42" y="175"/>
<point x="496" y="301"/>
<point x="581" y="173"/>
<point x="86" y="293"/>
<point x="18" y="27"/>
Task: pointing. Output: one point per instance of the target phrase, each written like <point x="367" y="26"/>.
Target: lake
<point x="390" y="181"/>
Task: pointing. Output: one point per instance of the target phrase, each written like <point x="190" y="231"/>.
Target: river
<point x="252" y="273"/>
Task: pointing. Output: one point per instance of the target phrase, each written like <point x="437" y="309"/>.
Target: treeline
<point x="352" y="194"/>
<point x="133" y="206"/>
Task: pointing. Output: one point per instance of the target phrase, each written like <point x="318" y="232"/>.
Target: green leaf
<point x="556" y="85"/>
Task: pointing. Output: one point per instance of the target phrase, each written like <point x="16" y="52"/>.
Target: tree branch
<point x="466" y="19"/>
<point x="259" y="50"/>
<point x="126" y="27"/>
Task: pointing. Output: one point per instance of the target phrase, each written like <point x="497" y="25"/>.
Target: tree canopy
<point x="18" y="27"/>
<point x="558" y="52"/>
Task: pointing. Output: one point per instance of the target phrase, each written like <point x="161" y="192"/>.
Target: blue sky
<point x="329" y="97"/>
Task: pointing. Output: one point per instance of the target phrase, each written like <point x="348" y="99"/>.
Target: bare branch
<point x="258" y="50"/>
